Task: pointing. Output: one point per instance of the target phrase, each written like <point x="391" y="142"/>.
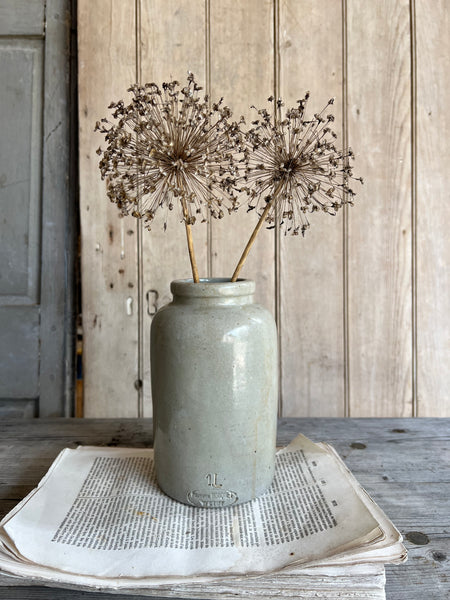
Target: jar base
<point x="214" y="498"/>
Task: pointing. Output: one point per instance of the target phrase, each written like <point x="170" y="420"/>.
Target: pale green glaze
<point x="214" y="387"/>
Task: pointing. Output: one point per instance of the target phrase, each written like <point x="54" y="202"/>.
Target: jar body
<point x="214" y="386"/>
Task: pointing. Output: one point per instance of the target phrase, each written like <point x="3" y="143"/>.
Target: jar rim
<point x="212" y="287"/>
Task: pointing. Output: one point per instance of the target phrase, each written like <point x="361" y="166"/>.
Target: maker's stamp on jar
<point x="212" y="498"/>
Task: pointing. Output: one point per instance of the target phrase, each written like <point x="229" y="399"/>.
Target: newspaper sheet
<point x="99" y="517"/>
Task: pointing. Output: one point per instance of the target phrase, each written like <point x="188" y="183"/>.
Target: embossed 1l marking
<point x="212" y="480"/>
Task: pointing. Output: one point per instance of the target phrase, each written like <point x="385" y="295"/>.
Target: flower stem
<point x="190" y="243"/>
<point x="260" y="223"/>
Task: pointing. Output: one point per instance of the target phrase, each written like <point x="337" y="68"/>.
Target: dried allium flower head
<point x="293" y="164"/>
<point x="293" y="167"/>
<point x="170" y="147"/>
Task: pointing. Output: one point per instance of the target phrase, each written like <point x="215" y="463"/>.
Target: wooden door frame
<point x="52" y="23"/>
<point x="59" y="215"/>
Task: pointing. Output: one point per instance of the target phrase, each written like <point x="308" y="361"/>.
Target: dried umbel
<point x="293" y="168"/>
<point x="171" y="148"/>
<point x="168" y="145"/>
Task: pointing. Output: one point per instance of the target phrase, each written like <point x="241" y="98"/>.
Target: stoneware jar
<point x="214" y="386"/>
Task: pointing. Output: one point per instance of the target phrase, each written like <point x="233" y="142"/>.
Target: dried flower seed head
<point x="293" y="163"/>
<point x="170" y="148"/>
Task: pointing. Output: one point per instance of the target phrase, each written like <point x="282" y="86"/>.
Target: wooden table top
<point x="403" y="463"/>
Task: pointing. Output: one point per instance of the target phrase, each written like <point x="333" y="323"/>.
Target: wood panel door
<point x="35" y="271"/>
<point x="362" y="302"/>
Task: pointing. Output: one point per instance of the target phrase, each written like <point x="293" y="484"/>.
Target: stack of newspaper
<point x="98" y="520"/>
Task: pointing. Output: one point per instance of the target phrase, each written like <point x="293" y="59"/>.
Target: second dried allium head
<point x="170" y="146"/>
<point x="292" y="163"/>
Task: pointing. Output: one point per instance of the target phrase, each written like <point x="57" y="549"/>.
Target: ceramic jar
<point x="214" y="386"/>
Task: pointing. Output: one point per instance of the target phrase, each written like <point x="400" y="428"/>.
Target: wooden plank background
<point x="362" y="302"/>
<point x="379" y="235"/>
<point x="107" y="65"/>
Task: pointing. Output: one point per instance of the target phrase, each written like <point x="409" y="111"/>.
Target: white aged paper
<point x="99" y="514"/>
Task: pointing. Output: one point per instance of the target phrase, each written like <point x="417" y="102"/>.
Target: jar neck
<point x="213" y="292"/>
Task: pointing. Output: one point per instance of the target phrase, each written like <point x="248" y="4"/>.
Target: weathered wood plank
<point x="135" y="432"/>
<point x="412" y="453"/>
<point x="402" y="452"/>
<point x="19" y="365"/>
<point x="426" y="573"/>
<point x="433" y="209"/>
<point x="36" y="235"/>
<point x="22" y="17"/>
<point x="393" y="455"/>
<point x="20" y="176"/>
<point x="172" y="43"/>
<point x="57" y="243"/>
<point x="21" y="99"/>
<point x="241" y="65"/>
<point x="311" y="268"/>
<point x="107" y="65"/>
<point x="380" y="319"/>
<point x="18" y="407"/>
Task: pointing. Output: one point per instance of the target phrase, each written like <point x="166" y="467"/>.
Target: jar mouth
<point x="212" y="287"/>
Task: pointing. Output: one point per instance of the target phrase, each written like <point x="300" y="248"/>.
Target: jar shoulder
<point x="172" y="315"/>
<point x="179" y="310"/>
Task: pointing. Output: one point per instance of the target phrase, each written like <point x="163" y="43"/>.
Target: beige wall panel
<point x="106" y="67"/>
<point x="242" y="72"/>
<point x="229" y="45"/>
<point x="172" y="43"/>
<point x="311" y="267"/>
<point x="380" y="321"/>
<point x="433" y="208"/>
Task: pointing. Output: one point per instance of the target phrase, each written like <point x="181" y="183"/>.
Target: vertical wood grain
<point x="21" y="225"/>
<point x="57" y="240"/>
<point x="393" y="290"/>
<point x="380" y="321"/>
<point x="241" y="68"/>
<point x="107" y="61"/>
<point x="172" y="43"/>
<point x="311" y="267"/>
<point x="433" y="208"/>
